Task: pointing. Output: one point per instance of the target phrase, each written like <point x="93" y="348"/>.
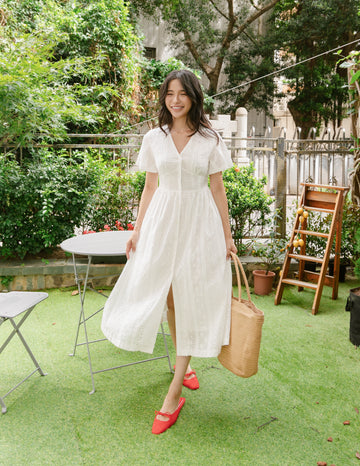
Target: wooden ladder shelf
<point x="315" y="197"/>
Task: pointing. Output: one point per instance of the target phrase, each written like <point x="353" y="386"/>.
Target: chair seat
<point x="15" y="302"/>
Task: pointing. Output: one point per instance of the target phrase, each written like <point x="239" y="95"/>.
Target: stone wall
<point x="46" y="274"/>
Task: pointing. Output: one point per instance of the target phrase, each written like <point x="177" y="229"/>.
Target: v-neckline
<point x="186" y="145"/>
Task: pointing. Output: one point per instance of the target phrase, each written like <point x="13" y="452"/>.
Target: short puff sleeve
<point x="146" y="159"/>
<point x="220" y="158"/>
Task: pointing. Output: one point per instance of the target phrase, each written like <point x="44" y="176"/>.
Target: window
<point x="150" y="52"/>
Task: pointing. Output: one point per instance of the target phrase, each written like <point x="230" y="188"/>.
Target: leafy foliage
<point x="51" y="195"/>
<point x="302" y="29"/>
<point x="100" y="32"/>
<point x="212" y="36"/>
<point x="116" y="198"/>
<point x="21" y="16"/>
<point x="42" y="202"/>
<point x="272" y="251"/>
<point x="350" y="226"/>
<point x="249" y="205"/>
<point x="66" y="66"/>
<point x="35" y="100"/>
<point x="357" y="247"/>
<point x="253" y="60"/>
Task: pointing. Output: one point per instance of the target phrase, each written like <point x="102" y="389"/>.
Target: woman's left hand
<point x="230" y="247"/>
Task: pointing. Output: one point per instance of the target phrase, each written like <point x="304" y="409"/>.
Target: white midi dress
<point x="181" y="244"/>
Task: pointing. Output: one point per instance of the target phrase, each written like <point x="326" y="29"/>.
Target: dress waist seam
<point x="183" y="191"/>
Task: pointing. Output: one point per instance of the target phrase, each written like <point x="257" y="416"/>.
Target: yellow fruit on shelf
<point x="301" y="218"/>
<point x="305" y="213"/>
<point x="301" y="242"/>
<point x="300" y="210"/>
<point x="296" y="243"/>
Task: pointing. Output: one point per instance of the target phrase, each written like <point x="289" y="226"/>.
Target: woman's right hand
<point x="131" y="243"/>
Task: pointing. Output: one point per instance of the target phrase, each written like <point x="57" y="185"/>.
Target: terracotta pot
<point x="263" y="281"/>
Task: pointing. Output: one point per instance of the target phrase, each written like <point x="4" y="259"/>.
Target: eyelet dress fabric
<point x="181" y="244"/>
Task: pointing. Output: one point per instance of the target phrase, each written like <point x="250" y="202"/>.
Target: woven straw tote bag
<point x="242" y="354"/>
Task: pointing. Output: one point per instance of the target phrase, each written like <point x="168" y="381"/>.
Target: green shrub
<point x="249" y="205"/>
<point x="116" y="198"/>
<point x="272" y="251"/>
<point x="357" y="250"/>
<point x="52" y="194"/>
<point x="42" y="201"/>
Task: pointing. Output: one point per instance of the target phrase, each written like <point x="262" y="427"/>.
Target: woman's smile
<point x="177" y="101"/>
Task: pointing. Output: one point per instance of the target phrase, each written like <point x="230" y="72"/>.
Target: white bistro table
<point x="92" y="245"/>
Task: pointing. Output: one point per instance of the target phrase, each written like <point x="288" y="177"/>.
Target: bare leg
<point x="171" y="323"/>
<point x="172" y="398"/>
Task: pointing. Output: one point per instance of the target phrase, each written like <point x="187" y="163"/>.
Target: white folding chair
<point x="13" y="304"/>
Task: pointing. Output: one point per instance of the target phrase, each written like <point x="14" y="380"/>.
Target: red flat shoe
<point x="160" y="426"/>
<point x="192" y="383"/>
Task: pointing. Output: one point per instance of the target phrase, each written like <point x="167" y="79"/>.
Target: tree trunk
<point x="305" y="121"/>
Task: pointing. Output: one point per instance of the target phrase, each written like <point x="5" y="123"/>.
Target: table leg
<point x="166" y="347"/>
<point x="3" y="406"/>
<point x="82" y="318"/>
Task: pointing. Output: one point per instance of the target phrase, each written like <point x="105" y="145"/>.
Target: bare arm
<point x="219" y="195"/>
<point x="151" y="184"/>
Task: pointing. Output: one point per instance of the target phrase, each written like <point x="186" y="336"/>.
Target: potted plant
<point x="271" y="254"/>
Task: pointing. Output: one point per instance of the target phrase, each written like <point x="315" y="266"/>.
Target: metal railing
<point x="121" y="145"/>
<point x="285" y="162"/>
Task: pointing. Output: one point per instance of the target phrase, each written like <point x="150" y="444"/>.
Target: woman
<point x="180" y="248"/>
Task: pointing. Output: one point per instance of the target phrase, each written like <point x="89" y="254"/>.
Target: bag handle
<point x="238" y="265"/>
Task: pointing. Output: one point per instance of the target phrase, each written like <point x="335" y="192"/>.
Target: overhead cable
<point x="273" y="73"/>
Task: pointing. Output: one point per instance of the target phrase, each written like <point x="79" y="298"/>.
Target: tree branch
<point x="213" y="73"/>
<point x="194" y="52"/>
<point x="218" y="10"/>
<point x="251" y="39"/>
<point x="250" y="91"/>
<point x="253" y="4"/>
<point x="254" y="17"/>
<point x="225" y="43"/>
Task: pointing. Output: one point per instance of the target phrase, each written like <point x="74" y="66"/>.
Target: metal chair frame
<point x="8" y="314"/>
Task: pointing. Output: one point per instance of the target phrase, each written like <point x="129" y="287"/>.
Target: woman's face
<point x="177" y="101"/>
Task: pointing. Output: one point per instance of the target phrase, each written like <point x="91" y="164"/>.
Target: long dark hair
<point x="196" y="118"/>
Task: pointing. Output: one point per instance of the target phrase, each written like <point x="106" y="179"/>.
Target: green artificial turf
<point x="306" y="387"/>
